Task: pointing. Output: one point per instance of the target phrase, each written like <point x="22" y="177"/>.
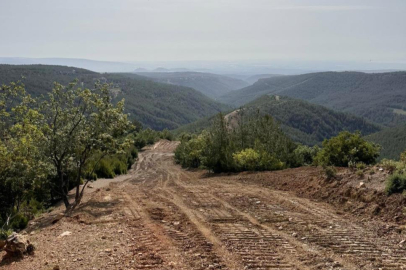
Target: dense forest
<point x="379" y="97"/>
<point x="211" y="85"/>
<point x="302" y="121"/>
<point x="392" y="140"/>
<point x="155" y="105"/>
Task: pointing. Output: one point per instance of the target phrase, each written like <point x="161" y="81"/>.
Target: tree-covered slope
<point x="392" y="140"/>
<point x="302" y="121"/>
<point x="379" y="97"/>
<point x="155" y="105"/>
<point x="212" y="85"/>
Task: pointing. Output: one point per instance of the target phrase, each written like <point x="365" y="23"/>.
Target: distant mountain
<point x="93" y="65"/>
<point x="211" y="85"/>
<point x="155" y="105"/>
<point x="379" y="97"/>
<point x="392" y="140"/>
<point x="302" y="121"/>
<point x="253" y="79"/>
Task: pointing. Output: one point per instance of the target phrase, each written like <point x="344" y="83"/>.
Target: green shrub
<point x="247" y="159"/>
<point x="305" y="155"/>
<point x="104" y="169"/>
<point x="389" y="165"/>
<point x="360" y="165"/>
<point x="19" y="222"/>
<point x="360" y="173"/>
<point x="4" y="234"/>
<point x="396" y="183"/>
<point x="347" y="147"/>
<point x="330" y="172"/>
<point x="119" y="167"/>
<point x="134" y="153"/>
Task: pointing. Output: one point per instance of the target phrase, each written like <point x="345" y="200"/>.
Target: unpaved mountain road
<point x="164" y="217"/>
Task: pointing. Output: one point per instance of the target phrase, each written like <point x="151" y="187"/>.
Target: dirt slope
<point x="163" y="217"/>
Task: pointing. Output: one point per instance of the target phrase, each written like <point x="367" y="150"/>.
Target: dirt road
<point x="164" y="217"/>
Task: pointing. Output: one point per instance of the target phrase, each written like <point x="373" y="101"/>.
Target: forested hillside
<point x="392" y="140"/>
<point x="379" y="97"/>
<point x="155" y="105"/>
<point x="302" y="121"/>
<point x="212" y="85"/>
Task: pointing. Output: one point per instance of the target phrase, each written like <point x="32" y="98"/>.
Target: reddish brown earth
<point x="163" y="217"/>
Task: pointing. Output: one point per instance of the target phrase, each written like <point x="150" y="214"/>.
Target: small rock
<point x="294" y="234"/>
<point x="176" y="223"/>
<point x="361" y="185"/>
<point x="67" y="233"/>
<point x="258" y="202"/>
<point x="90" y="186"/>
<point x="120" y="231"/>
<point x="280" y="228"/>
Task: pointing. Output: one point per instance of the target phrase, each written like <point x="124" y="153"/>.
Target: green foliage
<point x="345" y="148"/>
<point x="392" y="166"/>
<point x="256" y="143"/>
<point x="79" y="124"/>
<point x="190" y="152"/>
<point x="330" y="172"/>
<point x="403" y="157"/>
<point x="396" y="183"/>
<point x="19" y="222"/>
<point x="148" y="136"/>
<point x="305" y="155"/>
<point x="360" y="165"/>
<point x="389" y="165"/>
<point x="360" y="173"/>
<point x="392" y="140"/>
<point x="247" y="159"/>
<point x="4" y="234"/>
<point x="105" y="169"/>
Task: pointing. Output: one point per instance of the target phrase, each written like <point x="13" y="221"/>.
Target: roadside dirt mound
<point x="349" y="193"/>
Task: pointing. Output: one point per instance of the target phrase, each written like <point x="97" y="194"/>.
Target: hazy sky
<point x="138" y="30"/>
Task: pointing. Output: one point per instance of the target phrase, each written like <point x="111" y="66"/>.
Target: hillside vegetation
<point x="211" y="85"/>
<point x="302" y="121"/>
<point x="373" y="96"/>
<point x="392" y="140"/>
<point x="155" y="105"/>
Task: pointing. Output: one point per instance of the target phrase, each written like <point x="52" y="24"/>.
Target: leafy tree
<point x="22" y="168"/>
<point x="78" y="124"/>
<point x="347" y="148"/>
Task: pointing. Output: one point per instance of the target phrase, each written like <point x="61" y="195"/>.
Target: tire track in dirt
<point x="238" y="226"/>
